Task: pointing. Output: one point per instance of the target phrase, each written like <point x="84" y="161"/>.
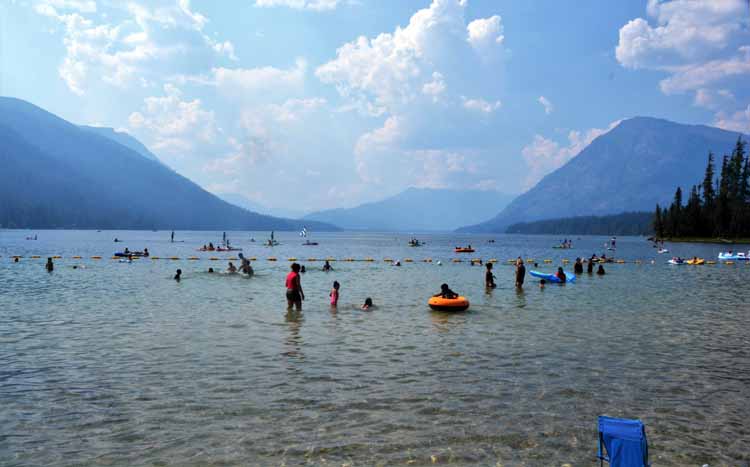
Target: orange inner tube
<point x="448" y="304"/>
<point x="464" y="250"/>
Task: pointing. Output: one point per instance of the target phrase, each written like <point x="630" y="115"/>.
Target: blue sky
<point x="309" y="104"/>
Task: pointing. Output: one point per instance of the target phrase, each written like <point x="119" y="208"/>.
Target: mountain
<point x="56" y="174"/>
<point x="246" y="203"/>
<point x="123" y="138"/>
<point x="631" y="168"/>
<point x="417" y="209"/>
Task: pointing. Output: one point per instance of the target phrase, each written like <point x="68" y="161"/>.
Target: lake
<point x="117" y="364"/>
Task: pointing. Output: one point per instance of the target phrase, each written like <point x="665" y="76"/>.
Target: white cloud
<point x="434" y="88"/>
<point x="481" y="105"/>
<point x="548" y="107"/>
<point x="261" y="79"/>
<point x="389" y="71"/>
<point x="316" y="5"/>
<point x="736" y="121"/>
<point x="146" y="42"/>
<point x="174" y="124"/>
<point x="484" y="33"/>
<point x="686" y="30"/>
<point x="544" y="155"/>
<point x="702" y="46"/>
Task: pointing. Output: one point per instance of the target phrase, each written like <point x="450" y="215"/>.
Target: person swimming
<point x="178" y="275"/>
<point x="231" y="268"/>
<point x="446" y="292"/>
<point x="368" y="305"/>
<point x="210" y="270"/>
<point x="542" y="283"/>
<point x="50" y="265"/>
<point x="302" y="269"/>
<point x="561" y="275"/>
<point x="327" y="266"/>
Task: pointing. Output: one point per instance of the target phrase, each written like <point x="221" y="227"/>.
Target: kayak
<point x="696" y="262"/>
<point x="553" y="278"/>
<point x="122" y="254"/>
<point x="464" y="250"/>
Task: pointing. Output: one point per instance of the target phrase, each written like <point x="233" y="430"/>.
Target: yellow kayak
<point x="696" y="261"/>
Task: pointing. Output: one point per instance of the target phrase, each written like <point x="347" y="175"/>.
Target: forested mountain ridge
<point x="58" y="175"/>
<point x="631" y="168"/>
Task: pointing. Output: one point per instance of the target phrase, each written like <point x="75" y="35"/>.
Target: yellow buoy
<point x="193" y="258"/>
<point x="156" y="257"/>
<point x="271" y="259"/>
<point x="369" y="260"/>
<point x="547" y="261"/>
<point x="174" y="258"/>
<point x="456" y="260"/>
<point x="292" y="259"/>
<point x="76" y="257"/>
<point x="96" y="257"/>
<point x="57" y="257"/>
<point x="408" y="260"/>
<point x="35" y="256"/>
<point x="492" y="260"/>
<point x="312" y="259"/>
<point x="213" y="258"/>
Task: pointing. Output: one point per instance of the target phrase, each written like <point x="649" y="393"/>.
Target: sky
<point x="311" y="104"/>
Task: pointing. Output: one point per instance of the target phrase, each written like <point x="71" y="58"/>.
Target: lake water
<point x="117" y="364"/>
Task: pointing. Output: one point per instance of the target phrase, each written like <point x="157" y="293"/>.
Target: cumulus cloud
<point x="436" y="87"/>
<point x="735" y="121"/>
<point x="548" y="107"/>
<point x="316" y="5"/>
<point x="485" y="33"/>
<point x="391" y="70"/>
<point x="703" y="46"/>
<point x="481" y="105"/>
<point x="401" y="76"/>
<point x="261" y="79"/>
<point x="147" y="41"/>
<point x="544" y="155"/>
<point x="174" y="124"/>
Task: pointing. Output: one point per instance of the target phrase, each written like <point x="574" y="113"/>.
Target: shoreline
<point x="720" y="241"/>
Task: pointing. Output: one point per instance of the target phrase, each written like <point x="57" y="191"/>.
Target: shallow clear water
<point x="117" y="364"/>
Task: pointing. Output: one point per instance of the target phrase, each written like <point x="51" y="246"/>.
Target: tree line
<point x="719" y="207"/>
<point x="627" y="223"/>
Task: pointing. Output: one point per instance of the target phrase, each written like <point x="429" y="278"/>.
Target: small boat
<point x="125" y="254"/>
<point x="464" y="249"/>
<point x="729" y="256"/>
<point x="304" y="234"/>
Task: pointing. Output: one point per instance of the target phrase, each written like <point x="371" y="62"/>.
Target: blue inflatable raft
<point x="553" y="278"/>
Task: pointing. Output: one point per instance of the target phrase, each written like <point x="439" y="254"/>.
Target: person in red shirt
<point x="294" y="293"/>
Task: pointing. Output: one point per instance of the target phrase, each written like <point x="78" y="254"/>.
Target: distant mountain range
<point x="631" y="168"/>
<point x="59" y="175"/>
<point x="417" y="209"/>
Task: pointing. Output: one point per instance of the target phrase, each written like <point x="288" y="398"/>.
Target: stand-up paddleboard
<point x="570" y="277"/>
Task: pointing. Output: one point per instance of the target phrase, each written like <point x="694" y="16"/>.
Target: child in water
<point x="446" y="292"/>
<point x="178" y="275"/>
<point x="368" y="304"/>
<point x="335" y="294"/>
<point x="542" y="283"/>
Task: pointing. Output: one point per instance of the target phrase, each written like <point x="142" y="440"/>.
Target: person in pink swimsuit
<point x="335" y="294"/>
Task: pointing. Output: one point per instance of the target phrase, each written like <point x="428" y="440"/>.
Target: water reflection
<point x="293" y="342"/>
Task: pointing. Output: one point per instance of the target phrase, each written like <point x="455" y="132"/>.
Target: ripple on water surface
<point x="117" y="364"/>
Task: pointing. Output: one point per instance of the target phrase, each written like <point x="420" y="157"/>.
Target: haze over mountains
<point x="59" y="175"/>
<point x="631" y="168"/>
<point x="417" y="209"/>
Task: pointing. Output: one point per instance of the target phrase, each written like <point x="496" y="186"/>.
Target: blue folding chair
<point x="624" y="441"/>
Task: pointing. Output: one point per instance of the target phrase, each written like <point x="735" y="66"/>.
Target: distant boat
<point x="415" y="242"/>
<point x="304" y="233"/>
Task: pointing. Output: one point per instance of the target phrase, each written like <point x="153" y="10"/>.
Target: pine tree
<point x="658" y="224"/>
